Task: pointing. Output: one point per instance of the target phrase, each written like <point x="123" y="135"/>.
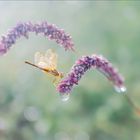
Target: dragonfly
<point x="47" y="62"/>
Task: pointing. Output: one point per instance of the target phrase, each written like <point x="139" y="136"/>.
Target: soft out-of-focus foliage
<point x="30" y="108"/>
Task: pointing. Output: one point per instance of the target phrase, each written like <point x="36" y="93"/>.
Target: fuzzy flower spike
<point x="50" y="31"/>
<point x="85" y="63"/>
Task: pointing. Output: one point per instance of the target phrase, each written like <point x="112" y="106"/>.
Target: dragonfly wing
<point x="39" y="60"/>
<point x="51" y="59"/>
<point x="54" y="61"/>
<point x="49" y="53"/>
<point x="37" y="57"/>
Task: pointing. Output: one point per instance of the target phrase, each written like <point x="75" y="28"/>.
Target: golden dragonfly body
<point x="48" y="63"/>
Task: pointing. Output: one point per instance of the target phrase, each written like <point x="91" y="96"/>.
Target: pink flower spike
<point x="3" y="50"/>
<point x="50" y="31"/>
<point x="85" y="63"/>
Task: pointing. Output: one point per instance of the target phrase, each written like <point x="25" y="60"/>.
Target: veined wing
<point x="47" y="60"/>
<point x="39" y="60"/>
<point x="37" y="57"/>
<point x="51" y="59"/>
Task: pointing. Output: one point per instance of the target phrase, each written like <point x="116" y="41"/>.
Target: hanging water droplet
<point x="65" y="97"/>
<point x="120" y="89"/>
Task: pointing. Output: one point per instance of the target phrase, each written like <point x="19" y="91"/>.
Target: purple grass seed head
<point x="51" y="31"/>
<point x="3" y="50"/>
<point x="85" y="63"/>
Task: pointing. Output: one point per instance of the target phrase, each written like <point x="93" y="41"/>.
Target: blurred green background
<point x="30" y="107"/>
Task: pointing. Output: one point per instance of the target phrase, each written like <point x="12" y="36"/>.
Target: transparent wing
<point x="39" y="60"/>
<point x="54" y="61"/>
<point x="47" y="60"/>
<point x="49" y="53"/>
<point x="37" y="57"/>
<point x="51" y="59"/>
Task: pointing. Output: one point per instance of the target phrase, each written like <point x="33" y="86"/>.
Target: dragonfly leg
<point x="56" y="81"/>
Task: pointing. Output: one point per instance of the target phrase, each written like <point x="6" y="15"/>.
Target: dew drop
<point x="120" y="89"/>
<point x="65" y="97"/>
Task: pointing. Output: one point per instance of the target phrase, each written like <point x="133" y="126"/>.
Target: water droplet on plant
<point x="120" y="89"/>
<point x="65" y="97"/>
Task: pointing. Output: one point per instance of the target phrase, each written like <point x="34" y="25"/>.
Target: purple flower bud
<point x="3" y="50"/>
<point x="48" y="30"/>
<point x="85" y="63"/>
